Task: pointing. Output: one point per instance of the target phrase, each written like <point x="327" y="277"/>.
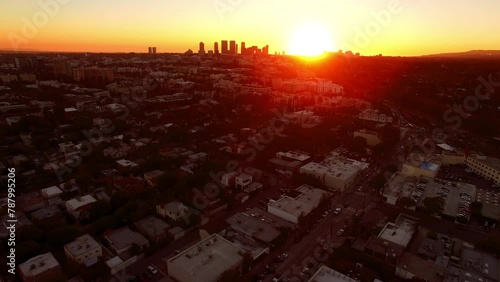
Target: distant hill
<point x="468" y="54"/>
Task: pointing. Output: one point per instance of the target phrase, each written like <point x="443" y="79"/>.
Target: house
<point x="121" y="240"/>
<point x="174" y="210"/>
<point x="43" y="267"/>
<point x="153" y="228"/>
<point x="78" y="207"/>
<point x="151" y="177"/>
<point x="83" y="250"/>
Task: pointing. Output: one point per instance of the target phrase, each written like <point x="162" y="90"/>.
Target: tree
<point x="135" y="249"/>
<point x="476" y="209"/>
<point x="432" y="235"/>
<point x="27" y="250"/>
<point x="433" y="205"/>
<point x="247" y="263"/>
<point x="229" y="276"/>
<point x="62" y="235"/>
<point x="99" y="209"/>
<point x="405" y="202"/>
<point x="118" y="199"/>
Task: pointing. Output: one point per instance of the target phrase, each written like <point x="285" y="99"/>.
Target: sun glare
<point x="310" y="40"/>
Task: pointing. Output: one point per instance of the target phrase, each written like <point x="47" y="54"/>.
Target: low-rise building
<point x="335" y="172"/>
<point x="83" y="250"/>
<point x="487" y="167"/>
<point x="174" y="210"/>
<point x="153" y="228"/>
<point x="326" y="274"/>
<point x="43" y="267"/>
<point x="78" y="207"/>
<point x="372" y="138"/>
<point x="392" y="241"/>
<point x="151" y="177"/>
<point x="121" y="240"/>
<point x="292" y="208"/>
<point x="205" y="261"/>
<point x="420" y="165"/>
<point x="253" y="228"/>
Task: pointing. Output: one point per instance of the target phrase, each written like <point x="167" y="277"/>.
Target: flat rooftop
<point x="305" y="202"/>
<point x="264" y="216"/>
<point x="293" y="155"/>
<point x="452" y="199"/>
<point x="399" y="232"/>
<point x="326" y="274"/>
<point x="425" y="269"/>
<point x="487" y="161"/>
<point x="480" y="262"/>
<point x="253" y="227"/>
<point x="38" y="264"/>
<point x="124" y="237"/>
<point x="208" y="259"/>
<point x="82" y="245"/>
<point x="399" y="186"/>
<point x="339" y="167"/>
<point x="80" y="201"/>
<point x="153" y="225"/>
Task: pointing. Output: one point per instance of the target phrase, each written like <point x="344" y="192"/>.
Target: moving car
<point x="152" y="269"/>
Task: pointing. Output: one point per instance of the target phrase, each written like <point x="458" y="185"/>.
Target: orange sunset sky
<point x="390" y="27"/>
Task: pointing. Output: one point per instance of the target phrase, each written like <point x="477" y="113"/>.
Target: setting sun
<point x="311" y="40"/>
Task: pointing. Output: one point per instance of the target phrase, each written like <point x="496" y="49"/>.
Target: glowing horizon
<point x="389" y="27"/>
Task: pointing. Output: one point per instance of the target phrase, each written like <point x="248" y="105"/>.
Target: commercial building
<point x="292" y="208"/>
<point x="253" y="228"/>
<point x="224" y="47"/>
<point x="474" y="265"/>
<point x="83" y="250"/>
<point x="205" y="261"/>
<point x="216" y="48"/>
<point x="335" y="172"/>
<point x="326" y="274"/>
<point x="372" y="138"/>
<point x="375" y="115"/>
<point x="487" y="167"/>
<point x="78" y="207"/>
<point x="421" y="165"/>
<point x="121" y="240"/>
<point x="392" y="241"/>
<point x="41" y="268"/>
<point x="232" y="47"/>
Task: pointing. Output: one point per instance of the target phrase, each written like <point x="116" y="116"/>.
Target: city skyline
<point x="403" y="27"/>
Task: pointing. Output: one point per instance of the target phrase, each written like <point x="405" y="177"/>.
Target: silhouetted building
<point x="243" y="48"/>
<point x="224" y="46"/>
<point x="154" y="50"/>
<point x="232" y="47"/>
<point x="62" y="69"/>
<point x="93" y="74"/>
<point x="150" y="50"/>
<point x="202" y="48"/>
<point x="216" y="48"/>
<point x="265" y="50"/>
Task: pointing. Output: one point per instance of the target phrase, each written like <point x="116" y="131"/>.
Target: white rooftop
<point x="51" y="191"/>
<point x="308" y="199"/>
<point x="293" y="155"/>
<point x="208" y="259"/>
<point x="326" y="274"/>
<point x="80" y="202"/>
<point x="126" y="163"/>
<point x="38" y="264"/>
<point x="82" y="245"/>
<point x="399" y="232"/>
<point x="336" y="166"/>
